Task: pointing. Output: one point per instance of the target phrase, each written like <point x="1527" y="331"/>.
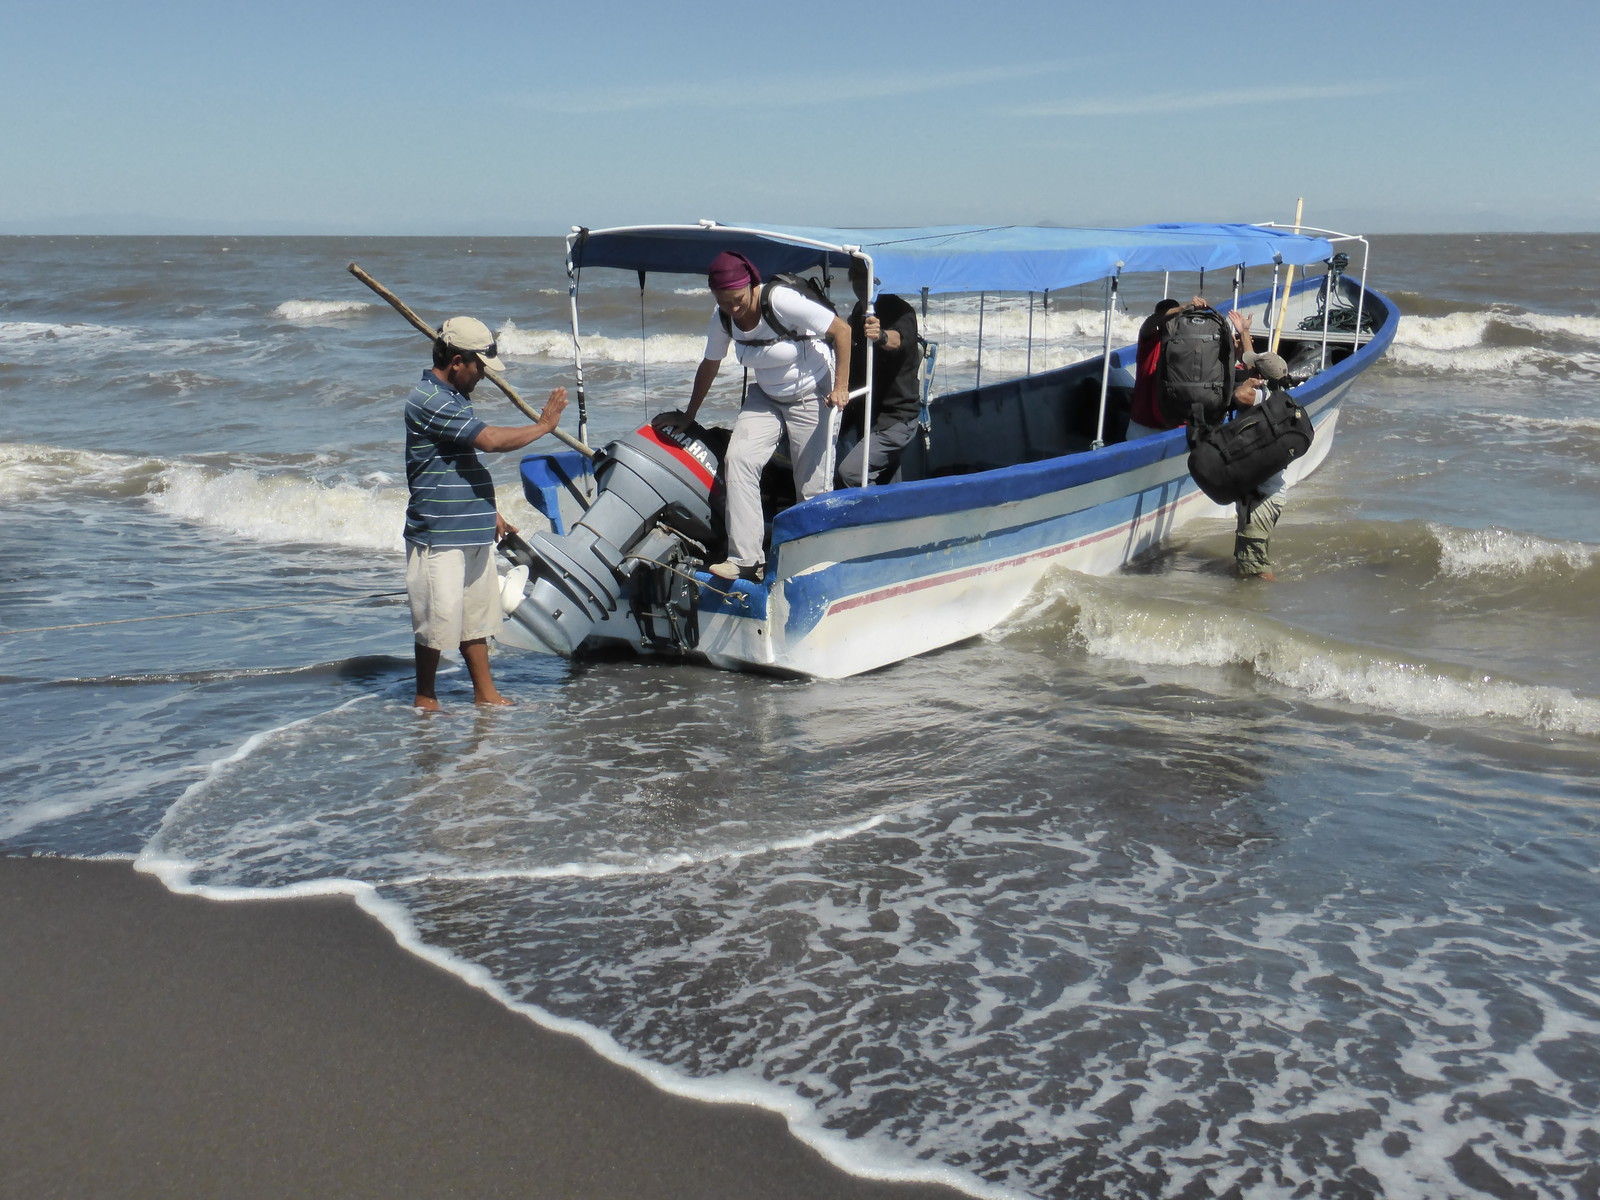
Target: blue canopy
<point x="952" y="258"/>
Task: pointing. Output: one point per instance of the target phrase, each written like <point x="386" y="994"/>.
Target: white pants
<point x="761" y="425"/>
<point x="454" y="593"/>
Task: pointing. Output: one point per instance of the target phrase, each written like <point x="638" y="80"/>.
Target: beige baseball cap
<point x="472" y="336"/>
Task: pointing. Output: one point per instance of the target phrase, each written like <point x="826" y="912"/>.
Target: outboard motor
<point x="654" y="493"/>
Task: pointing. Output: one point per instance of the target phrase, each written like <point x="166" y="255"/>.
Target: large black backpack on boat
<point x="1196" y="367"/>
<point x="1231" y="460"/>
<point x="807" y="286"/>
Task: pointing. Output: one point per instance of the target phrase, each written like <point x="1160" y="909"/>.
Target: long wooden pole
<point x="1283" y="305"/>
<point x="494" y="377"/>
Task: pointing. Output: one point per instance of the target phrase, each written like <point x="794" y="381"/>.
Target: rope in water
<point x="213" y="612"/>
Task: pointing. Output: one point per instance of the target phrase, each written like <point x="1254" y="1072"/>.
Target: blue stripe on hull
<point x="869" y="578"/>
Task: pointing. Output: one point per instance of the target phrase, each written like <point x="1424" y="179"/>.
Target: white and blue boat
<point x="1010" y="480"/>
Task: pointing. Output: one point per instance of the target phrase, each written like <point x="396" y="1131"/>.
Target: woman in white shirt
<point x="797" y="373"/>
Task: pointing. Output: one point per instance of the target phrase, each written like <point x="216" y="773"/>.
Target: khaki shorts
<point x="454" y="593"/>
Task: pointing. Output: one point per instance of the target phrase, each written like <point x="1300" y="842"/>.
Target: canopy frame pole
<point x="1327" y="312"/>
<point x="644" y="358"/>
<point x="1105" y="358"/>
<point x="1272" y="304"/>
<point x="573" y="274"/>
<point x="1361" y="297"/>
<point x="1238" y="282"/>
<point x="1030" y="332"/>
<point x="977" y="381"/>
<point x="1336" y="238"/>
<point x="834" y="414"/>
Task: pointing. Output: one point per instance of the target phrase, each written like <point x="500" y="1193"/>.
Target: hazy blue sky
<point x="406" y="117"/>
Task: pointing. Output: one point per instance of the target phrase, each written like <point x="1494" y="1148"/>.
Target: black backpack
<point x="1196" y="367"/>
<point x="1231" y="460"/>
<point x="808" y="287"/>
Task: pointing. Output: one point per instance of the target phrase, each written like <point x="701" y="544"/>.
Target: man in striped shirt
<point x="452" y="521"/>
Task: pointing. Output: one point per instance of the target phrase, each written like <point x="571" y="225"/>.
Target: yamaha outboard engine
<point x="654" y="492"/>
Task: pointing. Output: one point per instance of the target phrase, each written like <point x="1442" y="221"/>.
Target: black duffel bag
<point x="1231" y="460"/>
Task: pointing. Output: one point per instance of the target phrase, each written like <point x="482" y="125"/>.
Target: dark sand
<point x="154" y="1045"/>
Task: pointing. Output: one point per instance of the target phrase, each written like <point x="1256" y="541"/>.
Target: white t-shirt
<point x="784" y="369"/>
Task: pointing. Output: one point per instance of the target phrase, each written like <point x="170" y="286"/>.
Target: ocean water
<point x="1170" y="886"/>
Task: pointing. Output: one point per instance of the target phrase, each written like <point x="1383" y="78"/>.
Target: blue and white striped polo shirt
<point x="452" y="494"/>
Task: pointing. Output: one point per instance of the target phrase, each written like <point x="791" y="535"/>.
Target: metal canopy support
<point x="982" y="299"/>
<point x="866" y="404"/>
<point x="1105" y="358"/>
<point x="1334" y="238"/>
<point x="574" y="239"/>
<point x="1272" y="305"/>
<point x="1030" y="333"/>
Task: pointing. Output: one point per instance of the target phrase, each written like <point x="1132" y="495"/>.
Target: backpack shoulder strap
<point x="771" y="318"/>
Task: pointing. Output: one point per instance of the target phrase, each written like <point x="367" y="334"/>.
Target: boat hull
<point x="862" y="578"/>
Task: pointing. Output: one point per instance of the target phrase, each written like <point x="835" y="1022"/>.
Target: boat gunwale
<point x="855" y="507"/>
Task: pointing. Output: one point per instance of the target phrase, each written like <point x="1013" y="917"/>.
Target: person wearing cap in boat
<point x="1258" y="512"/>
<point x="797" y="373"/>
<point x="896" y="402"/>
<point x="452" y="520"/>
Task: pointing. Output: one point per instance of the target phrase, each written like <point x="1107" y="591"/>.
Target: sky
<point x="409" y="118"/>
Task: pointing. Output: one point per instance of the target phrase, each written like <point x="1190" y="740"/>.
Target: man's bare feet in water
<point x="494" y="698"/>
<point x="427" y="704"/>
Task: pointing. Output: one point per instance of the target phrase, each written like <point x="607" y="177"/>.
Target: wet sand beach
<point x="163" y="1045"/>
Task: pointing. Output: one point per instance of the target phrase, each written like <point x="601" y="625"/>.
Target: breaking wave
<point x="1497" y="341"/>
<point x="1503" y="552"/>
<point x="283" y="507"/>
<point x="31" y="332"/>
<point x="315" y="310"/>
<point x="557" y="344"/>
<point x="1153" y="633"/>
<point x="31" y="472"/>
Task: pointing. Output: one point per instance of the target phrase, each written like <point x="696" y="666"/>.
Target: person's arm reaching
<point x="496" y="439"/>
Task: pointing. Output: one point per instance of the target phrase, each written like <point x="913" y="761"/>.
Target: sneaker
<point x="731" y="570"/>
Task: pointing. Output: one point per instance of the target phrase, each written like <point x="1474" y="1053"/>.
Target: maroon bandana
<point x="730" y="270"/>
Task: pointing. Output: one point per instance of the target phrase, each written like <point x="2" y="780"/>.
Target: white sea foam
<point x="1075" y="326"/>
<point x="282" y="507"/>
<point x="212" y="818"/>
<point x="1462" y="343"/>
<point x="1176" y="636"/>
<point x="557" y="344"/>
<point x="1453" y="332"/>
<point x="315" y="310"/>
<point x="1471" y="361"/>
<point x="30" y="471"/>
<point x="1565" y="424"/>
<point x="1467" y="552"/>
<point x="33" y="332"/>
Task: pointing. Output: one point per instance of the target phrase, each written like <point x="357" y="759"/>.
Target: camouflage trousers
<point x="1257" y="516"/>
